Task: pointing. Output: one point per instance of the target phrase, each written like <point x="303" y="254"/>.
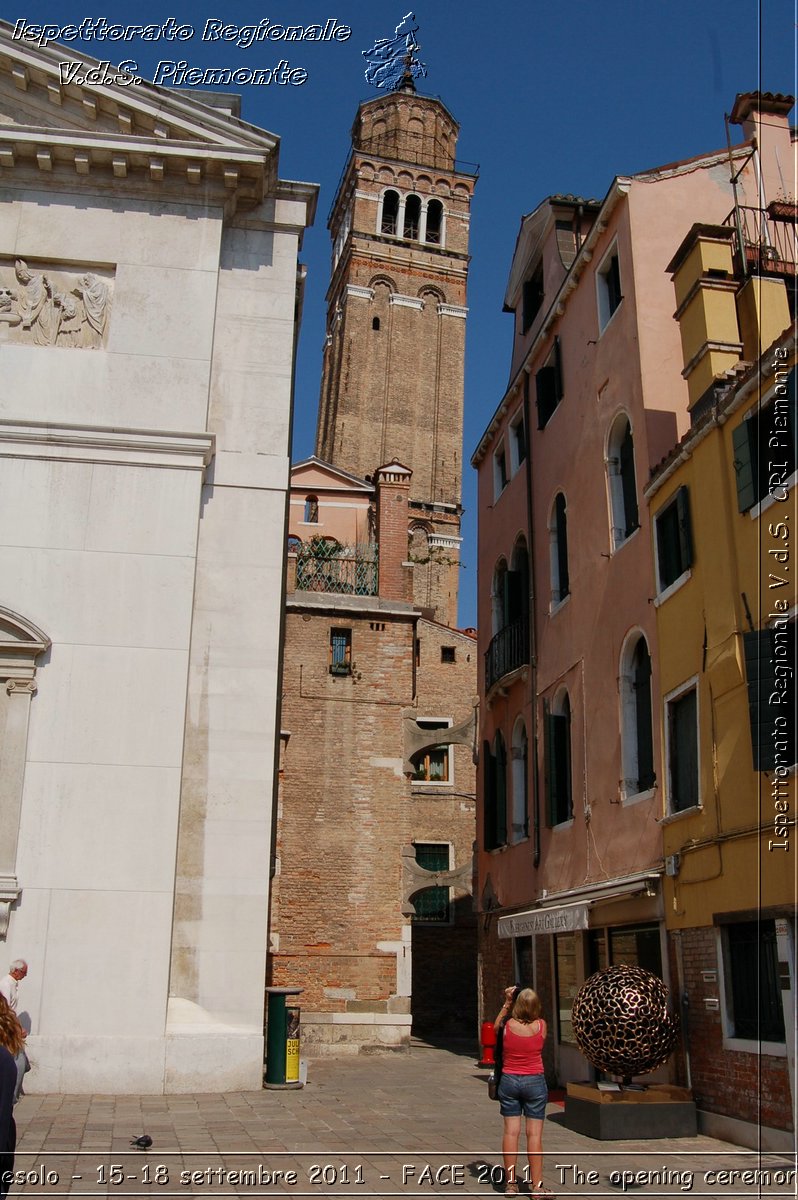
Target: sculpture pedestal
<point x="662" y="1110"/>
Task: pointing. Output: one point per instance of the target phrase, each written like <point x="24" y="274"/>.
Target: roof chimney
<point x="393" y="493"/>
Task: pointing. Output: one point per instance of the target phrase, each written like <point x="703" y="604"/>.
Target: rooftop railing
<point x="767" y="236"/>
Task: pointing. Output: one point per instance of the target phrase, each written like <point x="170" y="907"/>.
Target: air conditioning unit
<point x="672" y="865"/>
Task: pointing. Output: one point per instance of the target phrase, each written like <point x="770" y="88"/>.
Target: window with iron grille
<point x="753" y="994"/>
<point x="340" y="651"/>
<point x="433" y="905"/>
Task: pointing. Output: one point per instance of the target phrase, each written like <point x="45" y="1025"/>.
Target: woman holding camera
<point x="522" y="1086"/>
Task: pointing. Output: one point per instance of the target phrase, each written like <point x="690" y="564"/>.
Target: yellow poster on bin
<point x="292" y="1045"/>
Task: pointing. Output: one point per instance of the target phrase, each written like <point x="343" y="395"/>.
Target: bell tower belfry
<point x="392" y="380"/>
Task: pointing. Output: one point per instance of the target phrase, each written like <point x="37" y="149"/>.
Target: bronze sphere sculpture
<point x="622" y="1023"/>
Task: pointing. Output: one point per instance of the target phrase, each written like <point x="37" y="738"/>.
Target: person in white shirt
<point x="9" y="984"/>
<point x="9" y="990"/>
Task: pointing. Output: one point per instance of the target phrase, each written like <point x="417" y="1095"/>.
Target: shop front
<point x="567" y="938"/>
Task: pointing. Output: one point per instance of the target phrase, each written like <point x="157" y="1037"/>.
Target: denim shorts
<point x="525" y="1094"/>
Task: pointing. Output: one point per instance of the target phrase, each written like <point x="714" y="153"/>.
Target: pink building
<point x="570" y="797"/>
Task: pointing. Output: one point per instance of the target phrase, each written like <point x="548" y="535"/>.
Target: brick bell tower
<point x="392" y="380"/>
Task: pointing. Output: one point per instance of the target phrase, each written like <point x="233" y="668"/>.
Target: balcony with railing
<point x="324" y="565"/>
<point x="765" y="238"/>
<point x="508" y="651"/>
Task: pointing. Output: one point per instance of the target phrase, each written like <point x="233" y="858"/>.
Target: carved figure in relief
<point x="8" y="313"/>
<point x="62" y="308"/>
<point x="95" y="300"/>
<point x="36" y="309"/>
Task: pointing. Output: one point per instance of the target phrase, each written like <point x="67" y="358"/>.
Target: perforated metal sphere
<point x="622" y="1023"/>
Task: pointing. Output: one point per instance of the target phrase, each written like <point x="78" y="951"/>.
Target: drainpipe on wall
<point x="533" y="641"/>
<point x="684" y="1005"/>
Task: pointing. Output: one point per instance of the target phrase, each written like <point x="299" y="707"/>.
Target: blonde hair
<point x="10" y="1028"/>
<point x="527" y="1006"/>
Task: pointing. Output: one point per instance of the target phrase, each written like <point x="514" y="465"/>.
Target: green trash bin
<point x="282" y="1028"/>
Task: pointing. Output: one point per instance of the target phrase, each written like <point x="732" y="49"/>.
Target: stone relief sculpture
<point x="62" y="307"/>
<point x="622" y="1022"/>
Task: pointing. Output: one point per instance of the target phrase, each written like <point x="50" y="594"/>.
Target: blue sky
<point x="550" y="98"/>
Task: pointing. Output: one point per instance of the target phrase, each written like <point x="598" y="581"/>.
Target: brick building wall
<point x="735" y="1083"/>
<point x="348" y="811"/>
<point x="392" y="376"/>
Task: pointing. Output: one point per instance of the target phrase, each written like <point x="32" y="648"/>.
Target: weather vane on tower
<point x="392" y="61"/>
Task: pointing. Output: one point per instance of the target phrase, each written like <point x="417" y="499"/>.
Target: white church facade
<point x="149" y="291"/>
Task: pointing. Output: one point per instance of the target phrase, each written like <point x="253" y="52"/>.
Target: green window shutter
<point x="758" y="647"/>
<point x="489" y="783"/>
<point x="548" y="763"/>
<point x="559" y="390"/>
<point x="546" y="387"/>
<point x="628" y="483"/>
<point x="561" y="741"/>
<point x="685" y="532"/>
<point x="743" y="467"/>
<point x="501" y="792"/>
<point x="684" y="752"/>
<point x="643" y="717"/>
<point x="772" y="745"/>
<point x="561" y="525"/>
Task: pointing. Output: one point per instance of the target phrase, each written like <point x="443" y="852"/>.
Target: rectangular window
<point x="549" y="385"/>
<point x="433" y="905"/>
<point x="681" y="719"/>
<point x="764" y="447"/>
<point x="769" y="668"/>
<point x="532" y="298"/>
<point x="608" y="288"/>
<point x="517" y="441"/>
<point x="674" y="539"/>
<point x="433" y="764"/>
<point x="753" y="994"/>
<point x="448" y="654"/>
<point x="494" y="766"/>
<point x="557" y="756"/>
<point x="500" y="477"/>
<point x="340" y="651"/>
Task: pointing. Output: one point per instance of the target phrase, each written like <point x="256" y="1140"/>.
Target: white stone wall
<point x="143" y="489"/>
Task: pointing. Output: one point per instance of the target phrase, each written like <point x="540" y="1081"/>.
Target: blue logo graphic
<point x="392" y="61"/>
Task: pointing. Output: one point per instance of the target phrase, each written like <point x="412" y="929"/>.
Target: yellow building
<point x="724" y="531"/>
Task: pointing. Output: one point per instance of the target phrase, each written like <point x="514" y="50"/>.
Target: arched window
<point x="435" y="222"/>
<point x="375" y="323"/>
<point x="294" y="544"/>
<point x="558" y="551"/>
<point x="621" y="481"/>
<point x="495" y="782"/>
<point x="311" y="510"/>
<point x="519" y="757"/>
<point x="637" y="745"/>
<point x="412" y="216"/>
<point x="389" y="214"/>
<point x="557" y="755"/>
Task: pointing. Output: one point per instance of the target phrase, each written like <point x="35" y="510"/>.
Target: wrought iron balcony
<point x="767" y="236"/>
<point x="323" y="565"/>
<point x="508" y="650"/>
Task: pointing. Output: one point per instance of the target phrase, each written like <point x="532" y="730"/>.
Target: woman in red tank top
<point x="522" y="1086"/>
